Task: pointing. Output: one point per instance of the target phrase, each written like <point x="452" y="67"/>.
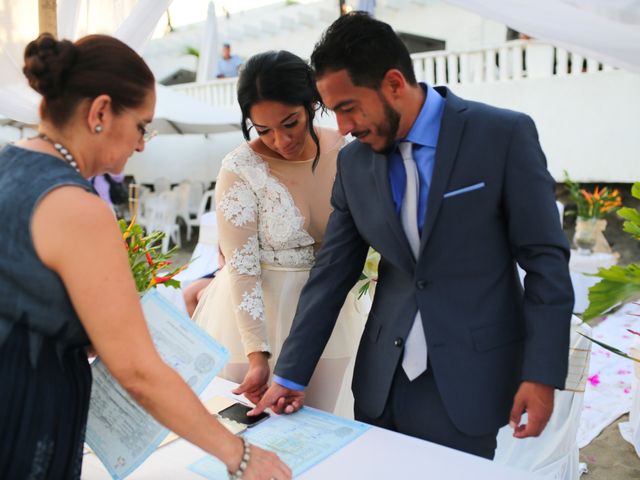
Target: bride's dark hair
<point x="280" y="77"/>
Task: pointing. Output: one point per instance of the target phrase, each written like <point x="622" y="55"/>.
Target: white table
<point x="579" y="265"/>
<point x="377" y="454"/>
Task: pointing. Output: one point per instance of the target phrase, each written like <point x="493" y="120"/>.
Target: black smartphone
<point x="238" y="413"/>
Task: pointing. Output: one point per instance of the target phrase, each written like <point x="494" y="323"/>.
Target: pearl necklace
<point x="66" y="155"/>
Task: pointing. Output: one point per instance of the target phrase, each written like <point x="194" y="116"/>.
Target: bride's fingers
<point x="242" y="388"/>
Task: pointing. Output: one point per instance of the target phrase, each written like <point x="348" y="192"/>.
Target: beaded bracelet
<point x="244" y="463"/>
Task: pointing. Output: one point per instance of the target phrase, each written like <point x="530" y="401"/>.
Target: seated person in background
<point x="107" y="189"/>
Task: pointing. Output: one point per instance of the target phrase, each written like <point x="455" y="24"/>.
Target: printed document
<point x="119" y="431"/>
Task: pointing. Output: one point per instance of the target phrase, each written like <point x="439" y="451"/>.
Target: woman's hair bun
<point x="47" y="62"/>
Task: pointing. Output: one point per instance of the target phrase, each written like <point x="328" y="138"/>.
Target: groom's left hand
<point x="537" y="400"/>
<point x="280" y="399"/>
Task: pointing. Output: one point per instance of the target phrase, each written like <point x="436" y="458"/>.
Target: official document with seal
<point x="119" y="431"/>
<point x="301" y="440"/>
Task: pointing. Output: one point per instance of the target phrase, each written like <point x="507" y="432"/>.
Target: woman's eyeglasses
<point x="143" y="127"/>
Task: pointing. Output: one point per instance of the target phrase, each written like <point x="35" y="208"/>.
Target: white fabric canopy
<point x="606" y="30"/>
<point x="179" y="113"/>
<point x="132" y="21"/>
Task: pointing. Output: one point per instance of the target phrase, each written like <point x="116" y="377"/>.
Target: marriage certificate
<point x="301" y="440"/>
<point x="119" y="431"/>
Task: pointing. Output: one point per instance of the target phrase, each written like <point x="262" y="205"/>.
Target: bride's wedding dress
<point x="272" y="214"/>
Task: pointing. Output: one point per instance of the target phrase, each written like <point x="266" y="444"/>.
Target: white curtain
<point x="132" y="21"/>
<point x="606" y="30"/>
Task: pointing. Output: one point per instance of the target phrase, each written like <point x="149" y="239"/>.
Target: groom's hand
<point x="537" y="400"/>
<point x="280" y="399"/>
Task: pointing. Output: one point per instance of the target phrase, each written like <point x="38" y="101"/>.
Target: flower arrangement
<point x="596" y="204"/>
<point x="370" y="272"/>
<point x="619" y="285"/>
<point x="146" y="260"/>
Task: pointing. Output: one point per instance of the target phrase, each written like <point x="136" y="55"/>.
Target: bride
<point x="273" y="204"/>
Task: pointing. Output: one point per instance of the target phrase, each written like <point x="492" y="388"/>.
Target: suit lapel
<point x="446" y="151"/>
<point x="381" y="175"/>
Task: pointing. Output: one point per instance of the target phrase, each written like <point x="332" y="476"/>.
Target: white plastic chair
<point x="208" y="203"/>
<point x="161" y="184"/>
<point x="183" y="195"/>
<point x="160" y="215"/>
<point x="195" y="196"/>
<point x="555" y="454"/>
<point x="144" y="194"/>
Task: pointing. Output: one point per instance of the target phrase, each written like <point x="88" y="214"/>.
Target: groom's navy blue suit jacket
<point x="485" y="333"/>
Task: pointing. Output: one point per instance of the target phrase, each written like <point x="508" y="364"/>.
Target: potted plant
<point x="592" y="208"/>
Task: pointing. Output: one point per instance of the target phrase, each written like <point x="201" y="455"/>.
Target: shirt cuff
<point x="287" y="383"/>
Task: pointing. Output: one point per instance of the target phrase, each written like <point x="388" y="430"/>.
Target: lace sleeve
<point x="238" y="235"/>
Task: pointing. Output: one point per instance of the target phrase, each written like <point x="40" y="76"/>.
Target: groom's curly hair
<point x="366" y="48"/>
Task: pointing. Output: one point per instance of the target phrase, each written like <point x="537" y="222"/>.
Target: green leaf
<point x="632" y="229"/>
<point x="172" y="283"/>
<point x="630" y="214"/>
<point x="610" y="348"/>
<point x="363" y="289"/>
<point x="618" y="285"/>
<point x="189" y="50"/>
<point x="635" y="190"/>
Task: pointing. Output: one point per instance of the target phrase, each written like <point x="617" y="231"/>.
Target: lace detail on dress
<point x="292" y="258"/>
<point x="246" y="260"/>
<point x="258" y="222"/>
<point x="252" y="303"/>
<point x="280" y="224"/>
<point x="239" y="204"/>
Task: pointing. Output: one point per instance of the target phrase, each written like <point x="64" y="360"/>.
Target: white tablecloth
<point x="555" y="452"/>
<point x="377" y="454"/>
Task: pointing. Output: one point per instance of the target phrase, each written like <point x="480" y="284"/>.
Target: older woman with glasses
<point x="65" y="282"/>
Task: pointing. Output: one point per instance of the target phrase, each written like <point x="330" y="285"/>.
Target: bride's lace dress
<point x="271" y="218"/>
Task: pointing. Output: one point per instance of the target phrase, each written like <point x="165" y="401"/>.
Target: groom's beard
<point x="388" y="129"/>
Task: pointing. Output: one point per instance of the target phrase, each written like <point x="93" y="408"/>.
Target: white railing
<point x="219" y="92"/>
<point x="514" y="60"/>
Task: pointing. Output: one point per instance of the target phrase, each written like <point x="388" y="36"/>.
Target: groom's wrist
<point x="287" y="383"/>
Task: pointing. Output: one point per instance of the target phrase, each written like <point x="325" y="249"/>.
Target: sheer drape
<point x="606" y="30"/>
<point x="132" y="21"/>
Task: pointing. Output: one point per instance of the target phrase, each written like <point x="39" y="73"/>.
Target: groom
<point x="452" y="193"/>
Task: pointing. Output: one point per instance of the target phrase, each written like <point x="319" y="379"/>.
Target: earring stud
<point x="98" y="128"/>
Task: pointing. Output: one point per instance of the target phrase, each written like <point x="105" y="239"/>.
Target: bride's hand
<point x="255" y="381"/>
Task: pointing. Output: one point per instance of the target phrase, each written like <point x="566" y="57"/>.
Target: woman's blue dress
<point x="45" y="380"/>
